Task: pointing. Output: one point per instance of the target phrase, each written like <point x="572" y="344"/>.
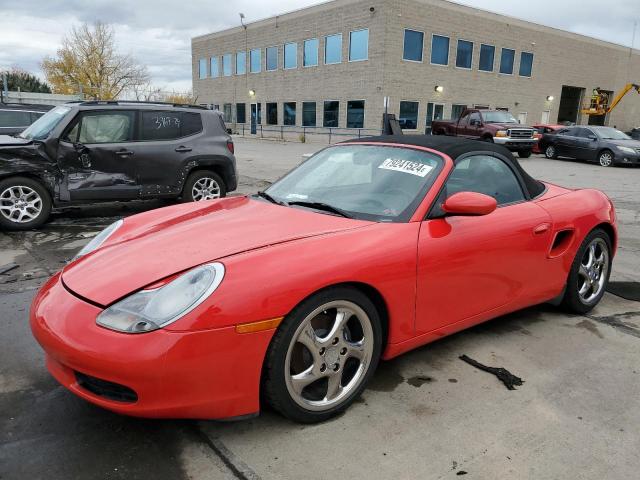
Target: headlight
<point x="626" y="149"/>
<point x="99" y="239"/>
<point x="149" y="310"/>
<point x="501" y="133"/>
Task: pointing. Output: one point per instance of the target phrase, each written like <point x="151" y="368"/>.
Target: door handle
<point x="124" y="153"/>
<point x="542" y="228"/>
<point x="182" y="149"/>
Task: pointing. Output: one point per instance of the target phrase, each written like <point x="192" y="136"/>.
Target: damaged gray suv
<point x="84" y="152"/>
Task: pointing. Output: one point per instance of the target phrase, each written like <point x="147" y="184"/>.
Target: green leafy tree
<point x="20" y="80"/>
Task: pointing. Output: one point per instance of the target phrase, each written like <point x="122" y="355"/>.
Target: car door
<point x="473" y="129"/>
<point x="94" y="155"/>
<point x="167" y="142"/>
<point x="461" y="127"/>
<point x="563" y="142"/>
<point x="470" y="265"/>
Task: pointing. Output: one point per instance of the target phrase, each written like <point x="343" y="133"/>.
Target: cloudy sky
<point x="158" y="32"/>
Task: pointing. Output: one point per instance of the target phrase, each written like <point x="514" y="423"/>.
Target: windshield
<point x="498" y="117"/>
<point x="609" y="133"/>
<point x="41" y="128"/>
<point x="367" y="182"/>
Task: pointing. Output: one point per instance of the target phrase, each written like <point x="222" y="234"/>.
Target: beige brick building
<point x="429" y="58"/>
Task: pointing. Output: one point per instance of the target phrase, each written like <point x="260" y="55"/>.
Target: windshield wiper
<point x="323" y="206"/>
<point x="268" y="197"/>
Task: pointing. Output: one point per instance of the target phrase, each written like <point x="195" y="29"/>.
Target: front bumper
<point x="204" y="374"/>
<point x="515" y="143"/>
<point x="625" y="158"/>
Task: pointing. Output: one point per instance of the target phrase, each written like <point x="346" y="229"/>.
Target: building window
<point x="308" y="114"/>
<point x="526" y="64"/>
<point x="413" y="44"/>
<point x="215" y="69"/>
<point x="457" y="111"/>
<point x="464" y="54"/>
<point x="408" y="115"/>
<point x="503" y="109"/>
<point x="202" y="68"/>
<point x="289" y="110"/>
<point x="435" y="111"/>
<point x="506" y="61"/>
<point x="331" y="114"/>
<point x="333" y="49"/>
<point x="359" y="45"/>
<point x="272" y="113"/>
<point x="310" y="53"/>
<point x="355" y="114"/>
<point x="226" y="64"/>
<point x="272" y="59"/>
<point x="241" y="112"/>
<point x="487" y="55"/>
<point x="227" y="113"/>
<point x="481" y="107"/>
<point x="255" y="60"/>
<point x="241" y="63"/>
<point x="290" y="55"/>
<point x="440" y="50"/>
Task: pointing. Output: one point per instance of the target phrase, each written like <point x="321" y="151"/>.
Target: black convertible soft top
<point x="456" y="147"/>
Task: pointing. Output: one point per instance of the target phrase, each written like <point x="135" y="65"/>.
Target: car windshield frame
<point x="604" y="136"/>
<point x="486" y="116"/>
<point x="434" y="160"/>
<point x="42" y="127"/>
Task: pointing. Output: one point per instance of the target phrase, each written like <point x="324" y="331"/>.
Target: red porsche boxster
<point x="368" y="249"/>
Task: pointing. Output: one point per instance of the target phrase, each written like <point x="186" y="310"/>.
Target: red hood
<point x="160" y="243"/>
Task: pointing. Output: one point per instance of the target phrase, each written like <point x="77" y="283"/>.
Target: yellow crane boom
<point x="600" y="100"/>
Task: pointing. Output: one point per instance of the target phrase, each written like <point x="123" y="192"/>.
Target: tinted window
<point x="440" y="50"/>
<point x="160" y="125"/>
<point x="289" y="110"/>
<point x="526" y="64"/>
<point x="355" y="114"/>
<point x="331" y="114"/>
<point x="484" y="174"/>
<point x="310" y="54"/>
<point x="215" y="68"/>
<point x="434" y="112"/>
<point x="487" y="54"/>
<point x="105" y="127"/>
<point x="456" y="111"/>
<point x="413" y="44"/>
<point x="464" y="55"/>
<point x="474" y="118"/>
<point x="409" y="115"/>
<point x="358" y="45"/>
<point x="227" y="112"/>
<point x="14" y="118"/>
<point x="255" y="60"/>
<point x="241" y="63"/>
<point x="272" y="58"/>
<point x="506" y="61"/>
<point x="272" y="113"/>
<point x="202" y="68"/>
<point x="333" y="49"/>
<point x="226" y="64"/>
<point x="290" y="55"/>
<point x="241" y="112"/>
<point x="309" y="114"/>
<point x="191" y="124"/>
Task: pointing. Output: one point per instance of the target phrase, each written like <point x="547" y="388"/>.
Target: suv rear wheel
<point x="24" y="203"/>
<point x="203" y="185"/>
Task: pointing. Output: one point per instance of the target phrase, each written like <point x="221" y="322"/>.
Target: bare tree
<point x="88" y="62"/>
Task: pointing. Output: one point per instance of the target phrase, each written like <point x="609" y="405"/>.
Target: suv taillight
<point x="230" y="146"/>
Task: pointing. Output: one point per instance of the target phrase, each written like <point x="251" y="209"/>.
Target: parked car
<point x="204" y="311"/>
<point x="541" y="129"/>
<point x="604" y="145"/>
<point x="15" y="117"/>
<point x="634" y="133"/>
<point x="93" y="151"/>
<point x="496" y="126"/>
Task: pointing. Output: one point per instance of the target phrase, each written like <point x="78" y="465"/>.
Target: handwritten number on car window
<point x="166" y="122"/>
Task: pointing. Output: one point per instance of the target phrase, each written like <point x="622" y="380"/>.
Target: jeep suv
<point x="84" y="152"/>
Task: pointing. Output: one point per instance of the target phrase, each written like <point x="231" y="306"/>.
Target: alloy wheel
<point x="593" y="272"/>
<point x="329" y="355"/>
<point x="606" y="159"/>
<point x="205" y="188"/>
<point x="20" y="204"/>
<point x="550" y="151"/>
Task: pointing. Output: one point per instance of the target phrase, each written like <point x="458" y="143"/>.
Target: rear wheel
<point x="524" y="153"/>
<point x="589" y="273"/>
<point x="550" y="152"/>
<point x="24" y="203"/>
<point x="203" y="185"/>
<point x="323" y="355"/>
<point x="605" y="159"/>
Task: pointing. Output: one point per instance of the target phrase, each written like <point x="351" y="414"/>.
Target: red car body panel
<point x="549" y="128"/>
<point x="274" y="258"/>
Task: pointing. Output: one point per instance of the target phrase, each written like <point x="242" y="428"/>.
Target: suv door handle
<point x="182" y="149"/>
<point x="124" y="153"/>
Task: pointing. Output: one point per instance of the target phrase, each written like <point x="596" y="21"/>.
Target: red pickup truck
<point x="495" y="126"/>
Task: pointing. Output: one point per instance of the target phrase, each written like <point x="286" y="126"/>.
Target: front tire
<point x="322" y="356"/>
<point x="203" y="185"/>
<point x="589" y="273"/>
<point x="24" y="203"/>
<point x="605" y="158"/>
<point x="524" y="153"/>
<point x="550" y="152"/>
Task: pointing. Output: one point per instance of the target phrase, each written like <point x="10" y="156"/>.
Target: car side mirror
<point x="229" y="131"/>
<point x="469" y="203"/>
<point x="594" y="138"/>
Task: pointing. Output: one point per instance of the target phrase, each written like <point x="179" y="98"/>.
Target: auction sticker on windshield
<point x="406" y="166"/>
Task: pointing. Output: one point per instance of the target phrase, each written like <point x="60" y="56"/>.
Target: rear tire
<point x="524" y="153"/>
<point x="550" y="152"/>
<point x="203" y="185"/>
<point x="24" y="203"/>
<point x="589" y="274"/>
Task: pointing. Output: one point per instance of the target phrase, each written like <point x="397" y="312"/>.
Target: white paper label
<point x="406" y="166"/>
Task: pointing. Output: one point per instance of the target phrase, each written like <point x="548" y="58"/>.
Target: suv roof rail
<point x="136" y="102"/>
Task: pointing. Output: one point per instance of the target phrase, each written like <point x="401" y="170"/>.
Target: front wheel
<point x="605" y="159"/>
<point x="589" y="273"/>
<point x="524" y="153"/>
<point x="24" y="203"/>
<point x="203" y="185"/>
<point x="323" y="355"/>
<point x="550" y="152"/>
